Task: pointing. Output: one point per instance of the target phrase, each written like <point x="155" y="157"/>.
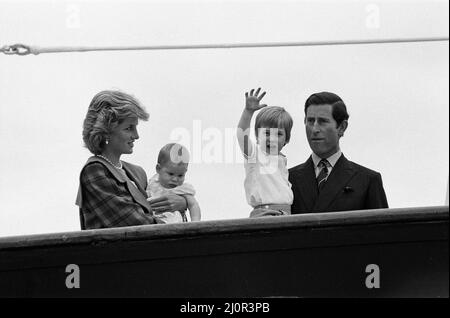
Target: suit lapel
<point x="307" y="184"/>
<point x="136" y="193"/>
<point x="134" y="175"/>
<point x="340" y="175"/>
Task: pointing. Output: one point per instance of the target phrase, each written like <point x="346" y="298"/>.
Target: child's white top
<point x="155" y="189"/>
<point x="266" y="178"/>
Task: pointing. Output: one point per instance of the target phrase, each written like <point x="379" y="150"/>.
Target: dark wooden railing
<point x="373" y="253"/>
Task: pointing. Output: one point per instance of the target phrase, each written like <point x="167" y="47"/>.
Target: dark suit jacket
<point x="108" y="199"/>
<point x="348" y="187"/>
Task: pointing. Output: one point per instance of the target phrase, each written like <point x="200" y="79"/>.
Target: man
<point x="327" y="181"/>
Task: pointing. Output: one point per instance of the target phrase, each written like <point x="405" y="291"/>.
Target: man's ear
<point x="342" y="127"/>
<point x="158" y="167"/>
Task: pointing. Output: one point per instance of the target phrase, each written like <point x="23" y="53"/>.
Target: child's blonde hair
<point x="274" y="117"/>
<point x="174" y="153"/>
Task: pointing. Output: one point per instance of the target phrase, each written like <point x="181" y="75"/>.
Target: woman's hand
<point x="168" y="203"/>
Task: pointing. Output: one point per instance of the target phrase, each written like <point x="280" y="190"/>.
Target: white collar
<point x="331" y="159"/>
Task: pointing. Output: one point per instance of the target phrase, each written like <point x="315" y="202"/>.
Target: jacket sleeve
<point x="106" y="202"/>
<point x="376" y="197"/>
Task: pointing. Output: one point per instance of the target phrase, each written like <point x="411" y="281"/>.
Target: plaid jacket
<point x="108" y="199"/>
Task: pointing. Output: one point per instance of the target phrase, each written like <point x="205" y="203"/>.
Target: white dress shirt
<point x="331" y="159"/>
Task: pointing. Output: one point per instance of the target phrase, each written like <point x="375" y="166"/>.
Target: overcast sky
<point x="397" y="94"/>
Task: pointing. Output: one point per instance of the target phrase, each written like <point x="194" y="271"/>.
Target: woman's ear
<point x="158" y="168"/>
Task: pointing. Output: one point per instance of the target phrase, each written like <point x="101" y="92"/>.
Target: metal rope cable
<point x="21" y="49"/>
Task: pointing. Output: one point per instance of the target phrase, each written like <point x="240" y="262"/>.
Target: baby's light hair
<point x="174" y="153"/>
<point x="274" y="117"/>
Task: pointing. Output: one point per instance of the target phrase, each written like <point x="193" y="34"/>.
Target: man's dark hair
<point x="339" y="110"/>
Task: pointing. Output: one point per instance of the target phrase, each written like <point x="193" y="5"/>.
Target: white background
<point x="397" y="94"/>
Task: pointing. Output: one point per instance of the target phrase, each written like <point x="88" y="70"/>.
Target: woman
<point x="112" y="192"/>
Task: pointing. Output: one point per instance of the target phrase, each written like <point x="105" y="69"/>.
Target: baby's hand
<point x="252" y="100"/>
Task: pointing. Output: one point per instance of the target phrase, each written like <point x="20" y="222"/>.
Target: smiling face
<point x="271" y="140"/>
<point x="171" y="174"/>
<point x="121" y="140"/>
<point x="322" y="130"/>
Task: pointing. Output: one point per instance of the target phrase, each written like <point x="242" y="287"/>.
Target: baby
<point x="171" y="169"/>
<point x="267" y="187"/>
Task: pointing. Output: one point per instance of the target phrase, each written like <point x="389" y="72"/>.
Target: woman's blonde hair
<point x="107" y="110"/>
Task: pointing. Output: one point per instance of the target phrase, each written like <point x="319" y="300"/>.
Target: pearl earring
<point x="106" y="142"/>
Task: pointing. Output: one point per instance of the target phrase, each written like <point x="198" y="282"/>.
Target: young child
<point x="171" y="169"/>
<point x="267" y="187"/>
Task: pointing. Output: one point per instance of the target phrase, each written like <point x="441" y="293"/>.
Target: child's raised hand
<point x="252" y="100"/>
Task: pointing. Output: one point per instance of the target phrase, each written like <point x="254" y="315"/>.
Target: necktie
<point x="323" y="174"/>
